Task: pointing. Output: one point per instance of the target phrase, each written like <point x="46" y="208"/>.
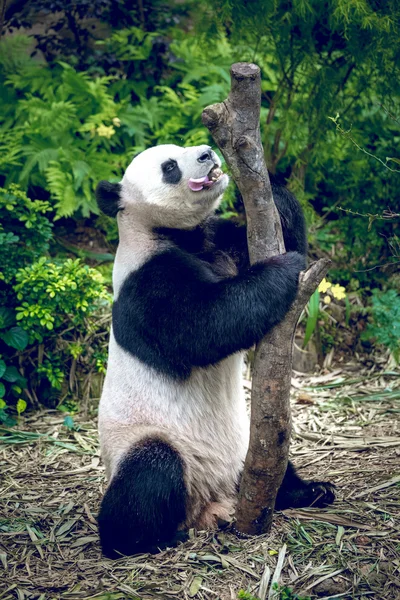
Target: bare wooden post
<point x="235" y="127"/>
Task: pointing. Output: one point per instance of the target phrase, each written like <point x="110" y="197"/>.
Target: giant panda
<point x="173" y="424"/>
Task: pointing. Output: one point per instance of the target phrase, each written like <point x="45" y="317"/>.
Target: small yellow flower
<point x="324" y="286"/>
<point x="116" y="121"/>
<point x="104" y="131"/>
<point x="327" y="299"/>
<point x="338" y="292"/>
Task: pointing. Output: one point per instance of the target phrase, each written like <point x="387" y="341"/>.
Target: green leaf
<point x="313" y="312"/>
<point x="16" y="337"/>
<point x="6" y="419"/>
<point x="21" y="406"/>
<point x="195" y="586"/>
<point x="12" y="375"/>
<point x="3" y="367"/>
<point x="69" y="422"/>
<point x="339" y="535"/>
<point x="2" y="390"/>
<point x="7" y="317"/>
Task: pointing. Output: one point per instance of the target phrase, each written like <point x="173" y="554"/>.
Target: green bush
<point x="50" y="308"/>
<point x="385" y="325"/>
<point x="12" y="383"/>
<point x="53" y="296"/>
<point x="25" y="233"/>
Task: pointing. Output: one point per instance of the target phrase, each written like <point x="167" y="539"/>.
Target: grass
<point x="53" y="479"/>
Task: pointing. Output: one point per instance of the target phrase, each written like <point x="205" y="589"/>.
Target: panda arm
<point x="231" y="237"/>
<point x="174" y="314"/>
<point x="292" y="219"/>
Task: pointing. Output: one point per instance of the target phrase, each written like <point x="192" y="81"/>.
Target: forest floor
<point x="346" y="430"/>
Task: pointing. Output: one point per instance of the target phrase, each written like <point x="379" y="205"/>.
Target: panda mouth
<point x="205" y="183"/>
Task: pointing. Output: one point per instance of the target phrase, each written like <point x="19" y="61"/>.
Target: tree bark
<point x="235" y="127"/>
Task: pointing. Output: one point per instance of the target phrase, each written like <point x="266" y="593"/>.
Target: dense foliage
<point x="385" y="325"/>
<point x="88" y="85"/>
<point x="47" y="321"/>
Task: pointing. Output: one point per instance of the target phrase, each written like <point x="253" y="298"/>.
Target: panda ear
<point x="108" y="197"/>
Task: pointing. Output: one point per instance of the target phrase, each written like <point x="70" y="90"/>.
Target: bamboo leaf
<point x="313" y="312"/>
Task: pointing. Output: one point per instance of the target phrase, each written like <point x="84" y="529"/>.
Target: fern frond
<point x="36" y="158"/>
<point x="61" y="187"/>
<point x="46" y="118"/>
<point x="14" y="54"/>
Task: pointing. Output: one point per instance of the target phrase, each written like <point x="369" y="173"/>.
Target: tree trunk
<point x="235" y="127"/>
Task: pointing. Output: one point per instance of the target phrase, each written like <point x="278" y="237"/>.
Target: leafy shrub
<point x="385" y="325"/>
<point x="50" y="308"/>
<point x="11" y="381"/>
<point x="25" y="232"/>
<point x="55" y="295"/>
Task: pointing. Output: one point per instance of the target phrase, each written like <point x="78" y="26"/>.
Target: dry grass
<point x="346" y="430"/>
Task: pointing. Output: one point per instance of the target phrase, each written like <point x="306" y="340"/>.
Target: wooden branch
<point x="235" y="127"/>
<point x="3" y="4"/>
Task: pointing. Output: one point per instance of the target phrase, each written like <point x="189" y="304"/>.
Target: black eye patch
<point x="171" y="171"/>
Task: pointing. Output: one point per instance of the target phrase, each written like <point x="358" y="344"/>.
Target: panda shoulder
<point x="164" y="273"/>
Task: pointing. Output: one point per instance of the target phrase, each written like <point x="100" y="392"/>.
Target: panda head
<point x="166" y="186"/>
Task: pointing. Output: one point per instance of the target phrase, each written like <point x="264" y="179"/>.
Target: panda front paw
<point x="292" y="262"/>
<point x="320" y="493"/>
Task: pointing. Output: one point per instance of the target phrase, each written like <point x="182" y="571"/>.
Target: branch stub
<point x="244" y="70"/>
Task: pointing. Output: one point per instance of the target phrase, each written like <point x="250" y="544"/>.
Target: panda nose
<point x="205" y="156"/>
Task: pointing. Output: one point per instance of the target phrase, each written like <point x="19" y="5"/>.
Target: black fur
<point x="292" y="218"/>
<point x="180" y="310"/>
<point x="171" y="171"/>
<point x="184" y="308"/>
<point x="107" y="196"/>
<point x="295" y="492"/>
<point x="223" y="235"/>
<point x="176" y="313"/>
<point x="145" y="502"/>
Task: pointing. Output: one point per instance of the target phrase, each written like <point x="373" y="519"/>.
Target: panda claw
<point x="323" y="493"/>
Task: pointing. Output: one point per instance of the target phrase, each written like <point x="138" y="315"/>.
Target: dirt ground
<point x="346" y="430"/>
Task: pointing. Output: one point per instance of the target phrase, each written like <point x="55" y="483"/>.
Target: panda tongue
<point x="196" y="185"/>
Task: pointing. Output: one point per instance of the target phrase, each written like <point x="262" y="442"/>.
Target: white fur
<point x="150" y="201"/>
<point x="205" y="416"/>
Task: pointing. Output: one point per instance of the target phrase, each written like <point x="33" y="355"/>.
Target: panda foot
<point x="215" y="515"/>
<point x="295" y="492"/>
<point x="308" y="493"/>
<point x="180" y="537"/>
<point x="319" y="493"/>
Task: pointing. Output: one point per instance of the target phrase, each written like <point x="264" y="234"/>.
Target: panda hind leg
<point x="296" y="492"/>
<point x="216" y="515"/>
<point x="144" y="506"/>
